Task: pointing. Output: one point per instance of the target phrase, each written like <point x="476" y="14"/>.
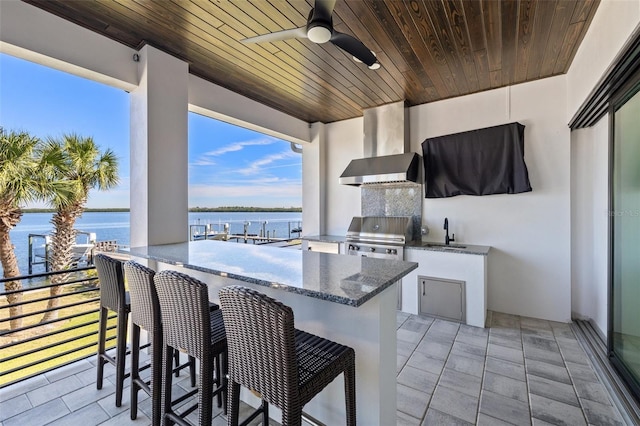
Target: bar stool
<point x="189" y="325"/>
<point x="286" y="366"/>
<point x="145" y="314"/>
<point x="112" y="298"/>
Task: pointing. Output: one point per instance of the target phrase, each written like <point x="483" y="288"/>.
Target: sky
<point x="228" y="165"/>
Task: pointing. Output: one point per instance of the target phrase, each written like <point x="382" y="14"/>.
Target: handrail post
<point x="46" y="255"/>
<point x="30" y="254"/>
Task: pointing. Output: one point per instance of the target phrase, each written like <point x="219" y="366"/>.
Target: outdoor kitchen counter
<point x="325" y="238"/>
<point x="349" y="280"/>
<point x="461" y="248"/>
<point x="348" y="299"/>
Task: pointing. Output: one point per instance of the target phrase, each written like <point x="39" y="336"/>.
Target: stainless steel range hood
<point x="386" y="149"/>
<point x="386" y="169"/>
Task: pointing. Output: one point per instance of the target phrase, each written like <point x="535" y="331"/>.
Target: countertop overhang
<point x="348" y="280"/>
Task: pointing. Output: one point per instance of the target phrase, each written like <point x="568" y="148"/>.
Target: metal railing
<point x="39" y="345"/>
<point x="222" y="231"/>
<point x="40" y="249"/>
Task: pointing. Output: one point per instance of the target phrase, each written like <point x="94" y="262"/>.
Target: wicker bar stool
<point x="188" y="324"/>
<point x="286" y="366"/>
<point x="113" y="297"/>
<point x="145" y="314"/>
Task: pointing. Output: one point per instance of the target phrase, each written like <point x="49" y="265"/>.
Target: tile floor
<point x="517" y="371"/>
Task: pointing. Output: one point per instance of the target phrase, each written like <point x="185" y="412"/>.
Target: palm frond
<point x="83" y="167"/>
<point x="18" y="164"/>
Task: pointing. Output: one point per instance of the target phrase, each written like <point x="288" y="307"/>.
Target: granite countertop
<point x="460" y="248"/>
<point x="325" y="238"/>
<point x="349" y="280"/>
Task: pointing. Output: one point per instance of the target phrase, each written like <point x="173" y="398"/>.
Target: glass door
<point x="624" y="309"/>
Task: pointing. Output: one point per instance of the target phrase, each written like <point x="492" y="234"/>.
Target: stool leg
<point x="192" y="371"/>
<point x="176" y="359"/>
<point x="135" y="370"/>
<point x="350" y="394"/>
<point x="102" y="335"/>
<point x="292" y="416"/>
<point x="167" y="359"/>
<point x="121" y="351"/>
<point x="234" y="403"/>
<point x="225" y="382"/>
<point x="218" y="378"/>
<point x="156" y="379"/>
<point x="205" y="394"/>
<point x="265" y="413"/>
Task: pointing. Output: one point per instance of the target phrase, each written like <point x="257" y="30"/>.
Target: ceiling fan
<point x="319" y="29"/>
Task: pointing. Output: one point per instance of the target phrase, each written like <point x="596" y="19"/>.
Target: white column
<point x="159" y="169"/>
<point x="313" y="181"/>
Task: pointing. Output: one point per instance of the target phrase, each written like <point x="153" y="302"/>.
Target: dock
<point x="209" y="232"/>
<point x="84" y="250"/>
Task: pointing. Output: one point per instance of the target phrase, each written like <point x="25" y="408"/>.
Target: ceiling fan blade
<point x="322" y="10"/>
<point x="278" y="36"/>
<point x="354" y="47"/>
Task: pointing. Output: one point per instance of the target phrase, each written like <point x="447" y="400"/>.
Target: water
<point x="115" y="226"/>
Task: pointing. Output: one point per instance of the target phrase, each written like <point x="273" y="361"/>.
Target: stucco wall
<point x="589" y="221"/>
<point x="344" y="143"/>
<point x="529" y="268"/>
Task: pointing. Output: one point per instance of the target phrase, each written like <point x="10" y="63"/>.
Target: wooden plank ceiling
<point x="429" y="49"/>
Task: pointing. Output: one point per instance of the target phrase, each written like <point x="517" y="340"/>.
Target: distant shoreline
<point x="191" y="209"/>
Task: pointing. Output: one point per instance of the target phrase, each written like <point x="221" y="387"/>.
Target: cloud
<point x="253" y="180"/>
<point x="277" y="194"/>
<point x="237" y="146"/>
<point x="207" y="158"/>
<point x="259" y="165"/>
<point x="203" y="161"/>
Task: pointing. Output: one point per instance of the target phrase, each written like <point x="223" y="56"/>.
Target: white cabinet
<point x="468" y="268"/>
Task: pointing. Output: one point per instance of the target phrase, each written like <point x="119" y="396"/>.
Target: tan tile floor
<point x="518" y="371"/>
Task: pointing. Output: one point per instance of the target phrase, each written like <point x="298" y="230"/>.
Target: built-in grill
<point x="382" y="237"/>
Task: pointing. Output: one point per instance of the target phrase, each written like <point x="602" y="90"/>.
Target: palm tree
<point x="85" y="167"/>
<point x="25" y="176"/>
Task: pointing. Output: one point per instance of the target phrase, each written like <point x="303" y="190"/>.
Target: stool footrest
<point x="263" y="409"/>
<point x="184" y="397"/>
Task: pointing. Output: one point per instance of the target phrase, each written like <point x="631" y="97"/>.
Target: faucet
<point x="447" y="240"/>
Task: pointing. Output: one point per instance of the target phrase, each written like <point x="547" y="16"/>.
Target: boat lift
<point x="40" y="247"/>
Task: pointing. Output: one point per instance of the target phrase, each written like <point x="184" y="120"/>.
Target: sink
<point x="444" y="246"/>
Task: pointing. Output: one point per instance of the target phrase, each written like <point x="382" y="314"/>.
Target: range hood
<point x="385" y="169"/>
<point x="386" y="149"/>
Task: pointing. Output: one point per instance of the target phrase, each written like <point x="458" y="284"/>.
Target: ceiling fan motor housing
<point x="319" y="30"/>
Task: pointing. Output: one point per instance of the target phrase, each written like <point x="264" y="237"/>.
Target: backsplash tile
<point x="393" y="200"/>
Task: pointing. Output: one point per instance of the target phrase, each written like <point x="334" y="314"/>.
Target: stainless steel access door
<point x="442" y="298"/>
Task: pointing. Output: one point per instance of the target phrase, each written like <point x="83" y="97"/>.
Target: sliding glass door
<point x="624" y="325"/>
